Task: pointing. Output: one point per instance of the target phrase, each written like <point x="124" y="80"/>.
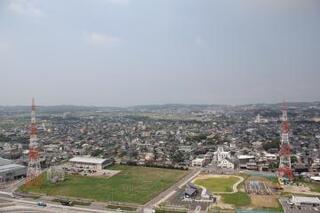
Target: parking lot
<point x="287" y="208"/>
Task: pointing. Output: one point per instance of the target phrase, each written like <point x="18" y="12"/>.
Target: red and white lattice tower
<point x="285" y="170"/>
<point x="34" y="168"/>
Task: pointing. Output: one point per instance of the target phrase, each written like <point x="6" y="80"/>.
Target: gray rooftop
<point x="4" y="161"/>
<point x="10" y="167"/>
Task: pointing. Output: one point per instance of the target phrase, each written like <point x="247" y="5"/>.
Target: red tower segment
<point x="285" y="170"/>
<point x="34" y="168"/>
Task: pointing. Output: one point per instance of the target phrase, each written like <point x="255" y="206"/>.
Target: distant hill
<point x="155" y="108"/>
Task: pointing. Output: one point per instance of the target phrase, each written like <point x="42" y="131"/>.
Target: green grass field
<point x="273" y="179"/>
<point x="238" y="199"/>
<point x="218" y="184"/>
<point x="132" y="185"/>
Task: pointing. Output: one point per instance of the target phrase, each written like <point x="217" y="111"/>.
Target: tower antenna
<point x="34" y="168"/>
<point x="285" y="170"/>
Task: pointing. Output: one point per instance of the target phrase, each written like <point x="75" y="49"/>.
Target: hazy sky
<point x="128" y="52"/>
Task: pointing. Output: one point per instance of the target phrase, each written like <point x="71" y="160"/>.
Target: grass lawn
<point x="273" y="179"/>
<point x="133" y="185"/>
<point x="238" y="199"/>
<point x="218" y="184"/>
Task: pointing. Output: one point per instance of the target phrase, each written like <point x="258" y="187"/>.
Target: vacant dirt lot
<point x="264" y="201"/>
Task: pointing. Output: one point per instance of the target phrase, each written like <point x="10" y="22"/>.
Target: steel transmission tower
<point x="285" y="171"/>
<point x="34" y="168"/>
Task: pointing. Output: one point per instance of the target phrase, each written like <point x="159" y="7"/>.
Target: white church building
<point x="223" y="159"/>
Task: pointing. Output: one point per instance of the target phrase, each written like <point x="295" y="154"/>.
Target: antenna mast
<point x="285" y="170"/>
<point x="34" y="168"/>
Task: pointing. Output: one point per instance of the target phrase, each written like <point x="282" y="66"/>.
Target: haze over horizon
<point x="160" y="104"/>
<point x="130" y="52"/>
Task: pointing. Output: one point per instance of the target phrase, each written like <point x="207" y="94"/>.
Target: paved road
<point x="51" y="207"/>
<point x="170" y="191"/>
<point x="235" y="186"/>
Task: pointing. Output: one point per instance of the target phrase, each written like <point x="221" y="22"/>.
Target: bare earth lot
<point x="264" y="201"/>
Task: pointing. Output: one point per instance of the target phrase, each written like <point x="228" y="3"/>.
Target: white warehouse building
<point x="305" y="201"/>
<point x="90" y="163"/>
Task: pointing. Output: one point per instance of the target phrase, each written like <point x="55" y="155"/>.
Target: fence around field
<point x="262" y="174"/>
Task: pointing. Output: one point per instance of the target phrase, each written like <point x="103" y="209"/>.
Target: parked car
<point x="42" y="204"/>
<point x="66" y="203"/>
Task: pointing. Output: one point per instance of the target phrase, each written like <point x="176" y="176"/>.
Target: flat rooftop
<point x="4" y="161"/>
<point x="10" y="167"/>
<point x="316" y="178"/>
<point x="310" y="200"/>
<point x="245" y="157"/>
<point x="81" y="159"/>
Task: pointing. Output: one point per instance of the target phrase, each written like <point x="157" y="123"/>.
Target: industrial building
<point x="305" y="201"/>
<point x="315" y="178"/>
<point x="10" y="170"/>
<point x="90" y="163"/>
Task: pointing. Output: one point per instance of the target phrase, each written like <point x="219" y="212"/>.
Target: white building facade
<point x="220" y="154"/>
<point x="89" y="163"/>
<point x="226" y="164"/>
<point x="198" y="162"/>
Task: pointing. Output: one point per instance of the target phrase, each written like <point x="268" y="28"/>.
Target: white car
<point x="290" y="203"/>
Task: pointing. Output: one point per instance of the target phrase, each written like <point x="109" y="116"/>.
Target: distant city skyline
<point x="140" y="52"/>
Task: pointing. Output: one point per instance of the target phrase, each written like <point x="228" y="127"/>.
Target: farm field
<point x="132" y="185"/>
<point x="217" y="184"/>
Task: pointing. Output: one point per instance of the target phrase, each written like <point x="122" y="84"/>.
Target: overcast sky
<point x="129" y="52"/>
